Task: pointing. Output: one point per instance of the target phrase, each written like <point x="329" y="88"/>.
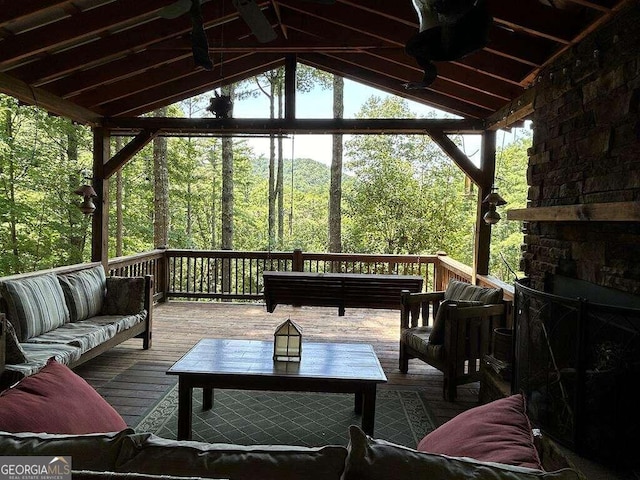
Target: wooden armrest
<point x="413" y="304"/>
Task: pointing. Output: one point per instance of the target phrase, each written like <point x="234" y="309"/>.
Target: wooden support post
<point x="482" y="242"/>
<point x="290" y="86"/>
<point x="298" y="262"/>
<point x="100" y="223"/>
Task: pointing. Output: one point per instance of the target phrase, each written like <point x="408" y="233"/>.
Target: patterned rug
<point x="292" y="418"/>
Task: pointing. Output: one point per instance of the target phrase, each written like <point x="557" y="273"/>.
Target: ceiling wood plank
<point x="13" y="11"/>
<point x="74" y="28"/>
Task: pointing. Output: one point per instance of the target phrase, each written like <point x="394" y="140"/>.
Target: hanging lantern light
<point x="88" y="194"/>
<point x="494" y="200"/>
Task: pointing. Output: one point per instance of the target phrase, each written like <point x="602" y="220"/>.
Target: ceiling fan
<point x="449" y="30"/>
<point x="249" y="10"/>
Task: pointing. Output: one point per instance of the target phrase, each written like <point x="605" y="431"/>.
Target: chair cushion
<point x="56" y="400"/>
<point x="496" y="432"/>
<point x="35" y="305"/>
<point x="437" y="332"/>
<point x="418" y="339"/>
<point x="85" y="334"/>
<point x="84" y="292"/>
<point x="457" y="290"/>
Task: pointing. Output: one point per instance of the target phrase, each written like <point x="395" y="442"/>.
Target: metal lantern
<point x="287" y="342"/>
<point x="88" y="194"/>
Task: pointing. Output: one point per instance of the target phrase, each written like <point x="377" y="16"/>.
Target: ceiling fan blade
<point x="199" y="43"/>
<point x="258" y="23"/>
<point x="176" y="9"/>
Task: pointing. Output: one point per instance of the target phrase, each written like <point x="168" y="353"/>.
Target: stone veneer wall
<point x="586" y="149"/>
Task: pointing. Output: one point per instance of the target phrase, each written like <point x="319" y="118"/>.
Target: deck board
<point x="133" y="379"/>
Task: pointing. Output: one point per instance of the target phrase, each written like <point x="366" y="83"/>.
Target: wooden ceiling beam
<point x="132" y="86"/>
<point x="127" y="152"/>
<point x="514" y="112"/>
<point x="114" y="46"/>
<point x="265" y="126"/>
<point x="534" y="19"/>
<point x="404" y="74"/>
<point x="390" y="85"/>
<point x="200" y="82"/>
<point x="458" y="156"/>
<point x="45" y="100"/>
<point x="77" y="28"/>
<point x="13" y="11"/>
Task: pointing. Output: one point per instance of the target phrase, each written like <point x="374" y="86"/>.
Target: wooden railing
<point x="237" y="275"/>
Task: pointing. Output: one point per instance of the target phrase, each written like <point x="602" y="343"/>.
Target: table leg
<point x="207" y="398"/>
<point x="357" y="406"/>
<point x="368" y="409"/>
<point x="185" y="405"/>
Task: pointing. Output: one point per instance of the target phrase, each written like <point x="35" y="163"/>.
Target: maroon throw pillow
<point x="496" y="432"/>
<point x="56" y="400"/>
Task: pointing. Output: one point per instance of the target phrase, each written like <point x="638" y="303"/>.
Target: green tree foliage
<point x="406" y="197"/>
<point x="401" y="194"/>
<point x="506" y="236"/>
<point x="42" y="160"/>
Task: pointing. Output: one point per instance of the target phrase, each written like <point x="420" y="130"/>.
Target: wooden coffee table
<point x="248" y="365"/>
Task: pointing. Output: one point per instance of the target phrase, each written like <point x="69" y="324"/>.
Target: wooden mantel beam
<point x="585" y="212"/>
<point x="265" y="126"/>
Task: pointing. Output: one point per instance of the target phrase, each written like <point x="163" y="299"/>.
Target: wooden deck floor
<point x="133" y="379"/>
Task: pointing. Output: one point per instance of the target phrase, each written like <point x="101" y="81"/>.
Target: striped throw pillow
<point x="84" y="292"/>
<point x="34" y="305"/>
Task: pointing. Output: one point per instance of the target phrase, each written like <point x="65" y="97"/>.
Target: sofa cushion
<point x="457" y="290"/>
<point x="374" y="459"/>
<point x="496" y="432"/>
<point x="35" y="305"/>
<point x="125" y="296"/>
<point x="437" y="332"/>
<point x="149" y="454"/>
<point x="84" y="292"/>
<point x="84" y="334"/>
<point x="56" y="400"/>
<point x="97" y="451"/>
<point x="14" y="353"/>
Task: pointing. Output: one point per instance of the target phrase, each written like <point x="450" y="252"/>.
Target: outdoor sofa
<point x="493" y="441"/>
<point x="71" y="314"/>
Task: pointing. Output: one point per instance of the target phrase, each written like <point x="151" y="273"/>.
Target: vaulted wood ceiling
<point x="119" y="58"/>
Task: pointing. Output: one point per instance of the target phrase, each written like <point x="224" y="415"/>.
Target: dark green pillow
<point x="437" y="331"/>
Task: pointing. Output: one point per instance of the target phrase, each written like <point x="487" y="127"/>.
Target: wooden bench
<point x="342" y="290"/>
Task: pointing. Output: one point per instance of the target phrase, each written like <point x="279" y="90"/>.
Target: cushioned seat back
<point x="457" y="290"/>
<point x="35" y="305"/>
<point x="84" y="292"/>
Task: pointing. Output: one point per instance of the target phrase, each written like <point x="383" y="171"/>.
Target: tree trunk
<point x="335" y="192"/>
<point x="227" y="183"/>
<point x="11" y="194"/>
<point x="280" y="180"/>
<point x="161" y="188"/>
<point x="77" y="227"/>
<point x="119" y="215"/>
<point x="272" y="177"/>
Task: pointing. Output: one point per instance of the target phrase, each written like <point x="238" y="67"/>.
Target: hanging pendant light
<point x="88" y="194"/>
<point x="494" y="200"/>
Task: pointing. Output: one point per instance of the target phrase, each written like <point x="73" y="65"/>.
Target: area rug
<point x="292" y="418"/>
